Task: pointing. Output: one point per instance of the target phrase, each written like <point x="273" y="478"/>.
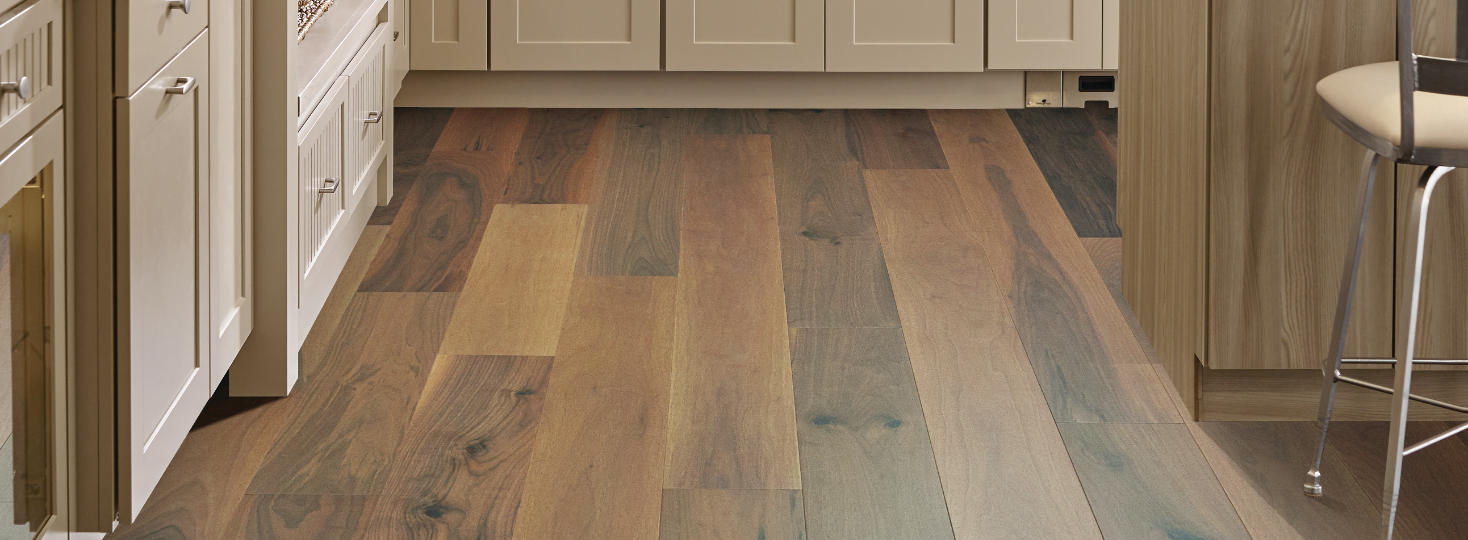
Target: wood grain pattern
<point x="553" y="164"/>
<point x="323" y="517"/>
<point x="515" y="299"/>
<point x="1086" y="358"/>
<point x="1004" y="468"/>
<point x="597" y="468"/>
<point x="732" y="420"/>
<point x="737" y="514"/>
<point x="732" y="121"/>
<point x="1106" y="255"/>
<point x="1434" y="479"/>
<point x="1294" y="394"/>
<point x="415" y="132"/>
<point x="318" y="340"/>
<point x="833" y="267"/>
<point x="866" y="462"/>
<point x="1258" y="465"/>
<point x="494" y="133"/>
<point x="1144" y="481"/>
<point x="894" y="139"/>
<point x="383" y="324"/>
<point x="1074" y="159"/>
<point x="460" y="472"/>
<point x="633" y="226"/>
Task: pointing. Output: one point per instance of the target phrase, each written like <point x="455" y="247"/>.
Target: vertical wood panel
<point x="715" y="514"/>
<point x="1045" y="34"/>
<point x="745" y="35"/>
<point x="575" y="35"/>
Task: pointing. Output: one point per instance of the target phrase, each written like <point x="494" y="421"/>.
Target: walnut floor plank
<point x="732" y="121"/>
<point x="1434" y="479"/>
<point x="318" y="340"/>
<point x="515" y="299"/>
<point x="415" y="132"/>
<point x="633" y="226"/>
<point x="736" y="514"/>
<point x="732" y="413"/>
<point x="1004" y="468"/>
<point x="894" y="139"/>
<point x="834" y="272"/>
<point x="866" y="463"/>
<point x="383" y="324"/>
<point x="1150" y="481"/>
<point x="318" y="517"/>
<point x="460" y="472"/>
<point x="1088" y="361"/>
<point x="553" y="164"/>
<point x="1073" y="156"/>
<point x="597" y="468"/>
<point x="486" y="131"/>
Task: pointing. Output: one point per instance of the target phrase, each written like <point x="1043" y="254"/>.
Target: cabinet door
<point x="745" y="35"/>
<point x="231" y="298"/>
<point x="162" y="201"/>
<point x="1110" y="34"/>
<point x="575" y="35"/>
<point x="322" y="196"/>
<point x="449" y="34"/>
<point x="400" y="50"/>
<point x="1045" y="34"/>
<point x="905" y="35"/>
<point x="365" y="115"/>
<point x="30" y="43"/>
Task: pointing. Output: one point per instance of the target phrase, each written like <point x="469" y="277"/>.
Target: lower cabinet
<point x="905" y="35"/>
<point x="570" y="35"/>
<point x="322" y="197"/>
<point x="1046" y="34"/>
<point x="740" y="35"/>
<point x="365" y="113"/>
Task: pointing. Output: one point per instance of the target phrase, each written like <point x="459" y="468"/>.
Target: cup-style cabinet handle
<point x="181" y="85"/>
<point x="181" y="5"/>
<point x="329" y="185"/>
<point x="21" y="88"/>
<point x="373" y="117"/>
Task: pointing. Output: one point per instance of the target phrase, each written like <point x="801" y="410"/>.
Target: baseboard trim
<point x="1294" y="394"/>
<point x="742" y="90"/>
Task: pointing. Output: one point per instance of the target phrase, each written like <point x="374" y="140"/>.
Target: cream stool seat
<point x="1370" y="97"/>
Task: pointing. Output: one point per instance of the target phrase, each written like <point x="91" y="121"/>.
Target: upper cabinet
<point x="905" y="35"/>
<point x="1045" y="34"/>
<point x="745" y="35"/>
<point x="449" y="34"/>
<point x="573" y="35"/>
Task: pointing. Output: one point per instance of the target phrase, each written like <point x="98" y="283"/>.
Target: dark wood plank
<point x="299" y="517"/>
<point x="632" y="229"/>
<point x="1434" y="480"/>
<point x="1078" y="167"/>
<point x="742" y="514"/>
<point x="552" y="165"/>
<point x="894" y="139"/>
<point x="1105" y="120"/>
<point x="732" y="121"/>
<point x="866" y="464"/>
<point x="488" y="131"/>
<point x="1150" y="481"/>
<point x="318" y="341"/>
<point x="383" y="324"/>
<point x="835" y="275"/>
<point x="415" y="131"/>
<point x="462" y="466"/>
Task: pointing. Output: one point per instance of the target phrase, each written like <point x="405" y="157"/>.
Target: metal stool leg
<point x="1407" y="337"/>
<point x="1330" y="368"/>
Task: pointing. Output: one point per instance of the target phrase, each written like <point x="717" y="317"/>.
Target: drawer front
<point x="366" y="114"/>
<point x="321" y="168"/>
<point x="30" y="56"/>
<point x="150" y="32"/>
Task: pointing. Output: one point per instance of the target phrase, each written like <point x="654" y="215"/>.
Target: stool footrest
<point x="1390" y="361"/>
<point x="1436" y="438"/>
<point x="1413" y="397"/>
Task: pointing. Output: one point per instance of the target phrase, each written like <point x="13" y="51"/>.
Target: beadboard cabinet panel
<point x="1045" y="34"/>
<point x="450" y="34"/>
<point x="905" y="35"/>
<point x="745" y="35"/>
<point x="573" y="35"/>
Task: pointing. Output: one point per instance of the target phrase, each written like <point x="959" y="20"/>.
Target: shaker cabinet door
<point x="905" y="35"/>
<point x="745" y="35"/>
<point x="1045" y="34"/>
<point x="449" y="34"/>
<point x="574" y="35"/>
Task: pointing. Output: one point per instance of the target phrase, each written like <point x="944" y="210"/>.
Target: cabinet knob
<point x="181" y="85"/>
<point x="21" y="88"/>
<point x="329" y="185"/>
<point x="181" y="5"/>
<point x="373" y="117"/>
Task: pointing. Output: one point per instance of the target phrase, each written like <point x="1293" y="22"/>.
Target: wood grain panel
<point x="1282" y="189"/>
<point x="1294" y="394"/>
<point x="515" y="298"/>
<point x="732" y="414"/>
<point x="732" y="121"/>
<point x="318" y="340"/>
<point x="600" y="451"/>
<point x="866" y="463"/>
<point x="319" y="517"/>
<point x="894" y="139"/>
<point x="1144" y="481"/>
<point x="555" y="163"/>
<point x="732" y="514"/>
<point x="415" y="132"/>
<point x="833" y="267"/>
<point x="462" y="466"/>
<point x="1162" y="178"/>
<point x="633" y="226"/>
<point x="1433" y="479"/>
<point x="383" y="324"/>
<point x="1072" y="154"/>
<point x="1088" y="361"/>
<point x="1004" y="469"/>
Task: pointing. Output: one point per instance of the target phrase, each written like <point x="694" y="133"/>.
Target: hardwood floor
<point x="739" y="324"/>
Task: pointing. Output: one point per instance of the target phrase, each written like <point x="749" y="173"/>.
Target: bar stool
<point x="1411" y="111"/>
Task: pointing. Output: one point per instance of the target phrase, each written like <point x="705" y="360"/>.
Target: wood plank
<point x="462" y="466"/>
<point x="1144" y="481"/>
<point x="865" y="459"/>
<point x="1434" y="480"/>
<point x="1260" y="465"/>
<point x="732" y="514"/>
<point x="1294" y="394"/>
<point x="1106" y="255"/>
<point x="415" y="132"/>
<point x="633" y="226"/>
<point x="515" y="299"/>
<point x="600" y="450"/>
<point x="894" y="139"/>
<point x="318" y="340"/>
<point x="732" y="121"/>
<point x="383" y="324"/>
<point x="1004" y="468"/>
<point x="323" y="517"/>
<point x="553" y="164"/>
<point x="493" y="132"/>
<point x="833" y="267"/>
<point x="1074" y="160"/>
<point x="732" y="414"/>
<point x="1106" y="120"/>
<point x="1088" y="361"/>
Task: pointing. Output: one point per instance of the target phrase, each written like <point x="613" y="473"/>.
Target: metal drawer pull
<point x="21" y="88"/>
<point x="181" y="5"/>
<point x="329" y="185"/>
<point x="373" y="117"/>
<point x="394" y="36"/>
<point x="182" y="85"/>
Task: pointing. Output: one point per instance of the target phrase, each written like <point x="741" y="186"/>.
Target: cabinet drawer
<point x="149" y="33"/>
<point x="322" y="193"/>
<point x="366" y="113"/>
<point x="30" y="55"/>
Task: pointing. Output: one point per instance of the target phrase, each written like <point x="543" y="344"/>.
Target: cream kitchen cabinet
<point x="1047" y="34"/>
<point x="744" y="35"/>
<point x="572" y="35"/>
<point x="905" y="35"/>
<point x="449" y="34"/>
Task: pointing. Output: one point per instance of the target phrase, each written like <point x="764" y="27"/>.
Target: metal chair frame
<point x="1418" y="74"/>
